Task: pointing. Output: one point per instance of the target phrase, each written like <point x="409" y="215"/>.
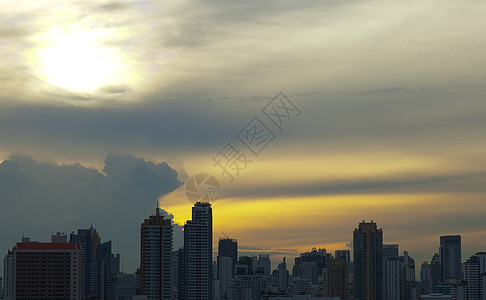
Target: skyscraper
<point x="228" y="248"/>
<point x="435" y="273"/>
<point x="338" y="278"/>
<point x="368" y="262"/>
<point x="472" y="277"/>
<point x="391" y="272"/>
<point x="198" y="253"/>
<point x="450" y="257"/>
<point x="156" y="274"/>
<point x="8" y="276"/>
<point x="88" y="240"/>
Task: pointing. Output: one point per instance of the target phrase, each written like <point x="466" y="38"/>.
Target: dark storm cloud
<point x="38" y="198"/>
<point x="392" y="184"/>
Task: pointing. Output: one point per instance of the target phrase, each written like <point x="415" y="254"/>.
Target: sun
<point x="78" y="60"/>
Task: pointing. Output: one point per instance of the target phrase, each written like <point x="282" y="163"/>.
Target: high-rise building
<point x="435" y="273"/>
<point x="198" y="252"/>
<point x="450" y="257"/>
<point x="338" y="278"/>
<point x="425" y="278"/>
<point x="156" y="273"/>
<point x="228" y="248"/>
<point x="88" y="240"/>
<point x="264" y="264"/>
<point x="47" y="271"/>
<point x="108" y="268"/>
<point x="408" y="283"/>
<point x="471" y="276"/>
<point x="391" y="287"/>
<point x="8" y="276"/>
<point x="368" y="262"/>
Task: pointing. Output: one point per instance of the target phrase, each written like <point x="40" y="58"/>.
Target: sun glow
<point x="78" y="60"/>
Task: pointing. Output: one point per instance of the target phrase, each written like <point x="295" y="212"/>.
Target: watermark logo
<point x="235" y="156"/>
<point x="202" y="187"/>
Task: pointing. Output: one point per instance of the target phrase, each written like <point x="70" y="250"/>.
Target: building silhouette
<point x="198" y="253"/>
<point x="156" y="273"/>
<point x="47" y="270"/>
<point x="450" y="257"/>
<point x="368" y="262"/>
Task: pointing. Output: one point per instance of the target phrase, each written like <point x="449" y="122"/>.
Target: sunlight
<point x="78" y="60"/>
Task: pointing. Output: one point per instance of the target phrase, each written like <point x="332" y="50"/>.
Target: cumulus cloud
<point x="39" y="197"/>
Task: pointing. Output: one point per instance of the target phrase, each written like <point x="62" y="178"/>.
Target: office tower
<point x="47" y="270"/>
<point x="126" y="286"/>
<point x="225" y="271"/>
<point x="338" y="278"/>
<point x="282" y="276"/>
<point x="346" y="254"/>
<point x="450" y="257"/>
<point x="264" y="263"/>
<point x="435" y="273"/>
<point x="408" y="284"/>
<point x="88" y="240"/>
<point x="8" y="276"/>
<point x="425" y="278"/>
<point x="390" y="251"/>
<point x="472" y="277"/>
<point x="108" y="266"/>
<point x="391" y="283"/>
<point x="368" y="262"/>
<point x="198" y="252"/>
<point x="392" y="279"/>
<point x="228" y="248"/>
<point x="156" y="274"/>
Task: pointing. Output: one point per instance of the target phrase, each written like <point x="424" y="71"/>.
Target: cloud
<point x="39" y="197"/>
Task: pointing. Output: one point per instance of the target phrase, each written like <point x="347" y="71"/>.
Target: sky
<point x="108" y="107"/>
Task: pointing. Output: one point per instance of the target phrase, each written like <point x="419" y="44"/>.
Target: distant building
<point x="425" y="278"/>
<point x="228" y="248"/>
<point x="88" y="240"/>
<point x="126" y="286"/>
<point x="368" y="262"/>
<point x="472" y="277"/>
<point x="346" y="254"/>
<point x="8" y="276"/>
<point x="435" y="273"/>
<point x="47" y="270"/>
<point x="198" y="253"/>
<point x="338" y="278"/>
<point x="450" y="257"/>
<point x="156" y="273"/>
<point x="391" y="272"/>
<point x="435" y="297"/>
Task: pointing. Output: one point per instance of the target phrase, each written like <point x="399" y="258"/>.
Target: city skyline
<point x="109" y="107"/>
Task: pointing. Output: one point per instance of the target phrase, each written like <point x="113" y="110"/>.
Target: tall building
<point x="198" y="253"/>
<point x="108" y="267"/>
<point x="47" y="271"/>
<point x="391" y="280"/>
<point x="435" y="273"/>
<point x="368" y="262"/>
<point x="338" y="278"/>
<point x="425" y="279"/>
<point x="156" y="273"/>
<point x="8" y="276"/>
<point x="228" y="248"/>
<point x="450" y="257"/>
<point x="472" y="277"/>
<point x="88" y="240"/>
<point x="264" y="264"/>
